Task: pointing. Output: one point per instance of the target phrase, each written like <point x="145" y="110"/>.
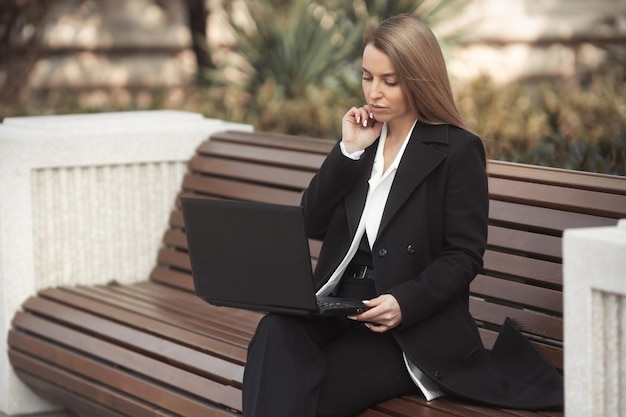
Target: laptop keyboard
<point x="327" y="303"/>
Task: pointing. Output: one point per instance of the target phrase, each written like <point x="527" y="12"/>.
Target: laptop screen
<point x="249" y="254"/>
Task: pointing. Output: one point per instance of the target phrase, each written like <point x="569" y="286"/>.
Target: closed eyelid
<point x="389" y="78"/>
<point x="391" y="83"/>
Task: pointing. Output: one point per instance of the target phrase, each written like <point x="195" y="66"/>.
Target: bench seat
<point x="155" y="349"/>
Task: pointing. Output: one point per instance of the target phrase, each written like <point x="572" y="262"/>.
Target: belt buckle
<point x="361" y="273"/>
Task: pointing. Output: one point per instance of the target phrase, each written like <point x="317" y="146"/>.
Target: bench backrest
<point x="530" y="207"/>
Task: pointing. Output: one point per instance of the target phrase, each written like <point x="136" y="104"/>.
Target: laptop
<point x="255" y="256"/>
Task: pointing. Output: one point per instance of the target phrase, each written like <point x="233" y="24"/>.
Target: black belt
<point x="359" y="272"/>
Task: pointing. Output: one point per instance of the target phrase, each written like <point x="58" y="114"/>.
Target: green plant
<point x="292" y="46"/>
<point x="295" y="66"/>
<point x="560" y="151"/>
<point x="557" y="123"/>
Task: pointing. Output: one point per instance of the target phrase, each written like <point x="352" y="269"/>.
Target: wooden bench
<point x="154" y="348"/>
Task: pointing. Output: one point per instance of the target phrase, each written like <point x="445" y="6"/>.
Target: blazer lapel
<point x="418" y="161"/>
<point x="355" y="200"/>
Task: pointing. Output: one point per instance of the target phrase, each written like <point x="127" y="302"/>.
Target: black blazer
<point x="429" y="248"/>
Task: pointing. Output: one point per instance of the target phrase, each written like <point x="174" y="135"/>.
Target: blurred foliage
<point x="297" y="71"/>
<point x="561" y="123"/>
<point x="295" y="68"/>
<point x="551" y="123"/>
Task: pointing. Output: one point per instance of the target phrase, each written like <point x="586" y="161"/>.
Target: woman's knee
<point x="273" y="325"/>
<point x="285" y="327"/>
<point x="279" y="331"/>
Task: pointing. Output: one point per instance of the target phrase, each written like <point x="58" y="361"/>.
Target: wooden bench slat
<point x="54" y="348"/>
<point x="175" y="238"/>
<point x="541" y="219"/>
<point x="519" y="293"/>
<point x="157" y="320"/>
<point x="556" y="197"/>
<point x="556" y="176"/>
<point x="184" y="307"/>
<point x="525" y="321"/>
<point x="537" y="245"/>
<point x="162" y="274"/>
<point x="150" y="345"/>
<point x="165" y="295"/>
<point x="134" y="326"/>
<point x="66" y="397"/>
<point x="98" y="395"/>
<point x="244" y="171"/>
<point x="275" y="140"/>
<point x="240" y="191"/>
<point x="77" y="371"/>
<point x="174" y="258"/>
<point x="176" y="216"/>
<point x="529" y="269"/>
<point x="261" y="154"/>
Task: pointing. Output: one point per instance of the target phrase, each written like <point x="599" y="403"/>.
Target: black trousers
<point x="300" y="366"/>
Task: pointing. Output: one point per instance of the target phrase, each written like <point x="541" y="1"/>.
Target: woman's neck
<point x="396" y="134"/>
<point x="398" y="129"/>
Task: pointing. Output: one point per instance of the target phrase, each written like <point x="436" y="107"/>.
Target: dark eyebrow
<point x="389" y="74"/>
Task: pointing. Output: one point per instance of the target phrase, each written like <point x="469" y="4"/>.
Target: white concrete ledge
<point x="594" y="262"/>
<point x="85" y="199"/>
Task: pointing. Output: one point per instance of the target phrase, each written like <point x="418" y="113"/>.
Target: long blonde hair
<point x="420" y="67"/>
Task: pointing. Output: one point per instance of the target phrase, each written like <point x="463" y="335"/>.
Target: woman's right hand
<point x="357" y="130"/>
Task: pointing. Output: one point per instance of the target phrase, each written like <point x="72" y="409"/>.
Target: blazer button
<point x="382" y="253"/>
<point x="438" y="375"/>
<point x="410" y="250"/>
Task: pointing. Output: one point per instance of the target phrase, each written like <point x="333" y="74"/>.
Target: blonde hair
<point x="420" y="67"/>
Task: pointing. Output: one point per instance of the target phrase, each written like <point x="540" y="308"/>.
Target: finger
<point x="362" y="119"/>
<point x="371" y="313"/>
<point x="353" y="116"/>
<point x="361" y="116"/>
<point x="373" y="302"/>
<point x="361" y="317"/>
<point x="373" y="320"/>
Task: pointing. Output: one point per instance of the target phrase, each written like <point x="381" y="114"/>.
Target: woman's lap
<point x="361" y="368"/>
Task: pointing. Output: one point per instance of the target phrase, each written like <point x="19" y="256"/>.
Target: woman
<point x="401" y="203"/>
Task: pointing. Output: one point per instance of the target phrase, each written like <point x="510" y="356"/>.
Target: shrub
<point x="556" y="123"/>
<point x="295" y="66"/>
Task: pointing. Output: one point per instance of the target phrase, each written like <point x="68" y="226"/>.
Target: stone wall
<point x="112" y="51"/>
<point x="514" y="39"/>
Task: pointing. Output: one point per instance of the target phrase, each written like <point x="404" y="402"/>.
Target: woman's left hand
<point x="384" y="313"/>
